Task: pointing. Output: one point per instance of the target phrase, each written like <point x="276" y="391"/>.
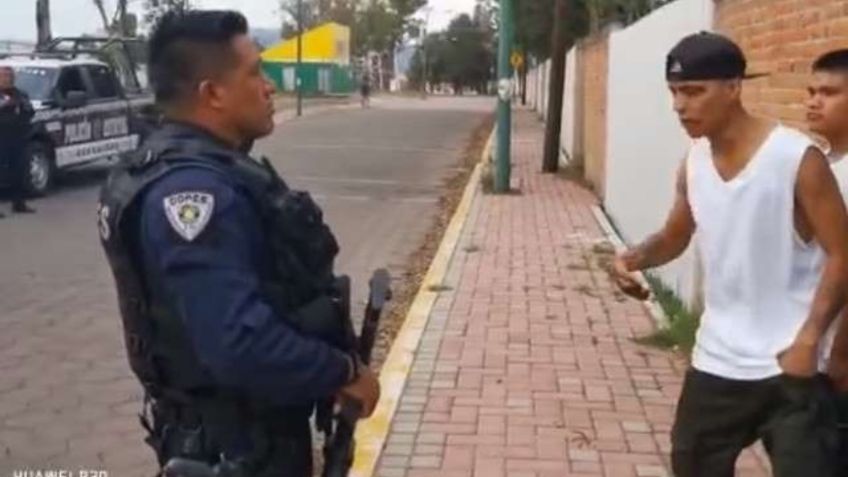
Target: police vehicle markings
<point x="88" y="151"/>
<point x="118" y="105"/>
<point x="79" y="136"/>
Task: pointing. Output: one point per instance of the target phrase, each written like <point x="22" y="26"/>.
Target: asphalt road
<point x="67" y="399"/>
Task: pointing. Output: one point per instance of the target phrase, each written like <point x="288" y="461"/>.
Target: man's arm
<point x="820" y="201"/>
<point x="27" y="111"/>
<point x="662" y="247"/>
<point x="671" y="241"/>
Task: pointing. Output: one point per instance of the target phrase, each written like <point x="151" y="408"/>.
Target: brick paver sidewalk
<point x="527" y="365"/>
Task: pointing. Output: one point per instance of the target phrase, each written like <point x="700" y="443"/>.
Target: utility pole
<point x="297" y="73"/>
<point x="42" y="22"/>
<point x="502" y="170"/>
<point x="426" y="59"/>
<point x="553" y="128"/>
<point x="123" y="29"/>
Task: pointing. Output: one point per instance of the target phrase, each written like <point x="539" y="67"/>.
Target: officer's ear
<point x="210" y="94"/>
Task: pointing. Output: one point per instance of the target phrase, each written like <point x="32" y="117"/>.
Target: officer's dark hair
<point x="190" y="46"/>
<point x="832" y="62"/>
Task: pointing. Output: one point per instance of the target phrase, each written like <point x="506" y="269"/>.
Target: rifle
<point x="339" y="443"/>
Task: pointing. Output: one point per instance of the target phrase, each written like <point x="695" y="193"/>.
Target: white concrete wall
<point x="545" y="77"/>
<point x="645" y="143"/>
<point x="531" y="88"/>
<point x="568" y="136"/>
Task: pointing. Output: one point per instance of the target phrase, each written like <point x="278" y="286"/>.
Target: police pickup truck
<point x="87" y="108"/>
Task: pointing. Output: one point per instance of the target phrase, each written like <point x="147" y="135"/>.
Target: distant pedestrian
<point x="365" y="91"/>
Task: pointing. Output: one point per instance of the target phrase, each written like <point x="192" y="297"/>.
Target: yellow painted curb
<point x="371" y="434"/>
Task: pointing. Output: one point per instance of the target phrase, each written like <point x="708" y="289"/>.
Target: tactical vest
<point x="300" y="285"/>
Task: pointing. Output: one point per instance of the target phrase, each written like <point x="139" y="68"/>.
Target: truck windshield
<point x="35" y="82"/>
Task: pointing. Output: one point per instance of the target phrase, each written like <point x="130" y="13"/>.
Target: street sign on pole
<point x="502" y="169"/>
<point x="517" y="60"/>
<point x="298" y="72"/>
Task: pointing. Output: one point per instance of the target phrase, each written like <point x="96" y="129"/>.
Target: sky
<point x="74" y="17"/>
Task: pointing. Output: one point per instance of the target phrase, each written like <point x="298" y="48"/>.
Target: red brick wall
<point x="593" y="68"/>
<point x="782" y="37"/>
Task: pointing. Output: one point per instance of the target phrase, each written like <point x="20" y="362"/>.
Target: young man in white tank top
<point x="755" y="195"/>
<point x="827" y="116"/>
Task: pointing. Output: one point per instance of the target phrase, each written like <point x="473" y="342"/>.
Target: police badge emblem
<point x="189" y="212"/>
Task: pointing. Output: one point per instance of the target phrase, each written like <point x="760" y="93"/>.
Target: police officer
<point x="224" y="275"/>
<point x="15" y="115"/>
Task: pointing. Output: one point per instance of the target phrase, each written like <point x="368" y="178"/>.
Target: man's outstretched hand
<point x="627" y="281"/>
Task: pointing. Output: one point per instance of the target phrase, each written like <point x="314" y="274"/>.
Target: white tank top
<point x="759" y="277"/>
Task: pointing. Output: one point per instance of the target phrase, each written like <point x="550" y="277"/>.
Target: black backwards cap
<point x="706" y="56"/>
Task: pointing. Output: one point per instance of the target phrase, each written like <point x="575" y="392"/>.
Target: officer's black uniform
<point x="16" y="112"/>
<point x="233" y="319"/>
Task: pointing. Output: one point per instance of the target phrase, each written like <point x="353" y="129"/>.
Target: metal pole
<point x="424" y="32"/>
<point x="502" y="170"/>
<point x="297" y="71"/>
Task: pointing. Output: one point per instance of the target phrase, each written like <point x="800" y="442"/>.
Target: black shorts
<point x="718" y="418"/>
<point x="842" y="410"/>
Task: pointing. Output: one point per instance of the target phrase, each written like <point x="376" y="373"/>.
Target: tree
<point x="462" y="56"/>
<point x="155" y="9"/>
<point x="534" y="25"/>
<point x="310" y="12"/>
<point x="121" y="23"/>
<point x="377" y="26"/>
<point x="101" y="8"/>
<point x="42" y="22"/>
<point x="553" y="128"/>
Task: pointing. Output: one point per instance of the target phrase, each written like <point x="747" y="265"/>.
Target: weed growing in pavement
<point x="679" y="332"/>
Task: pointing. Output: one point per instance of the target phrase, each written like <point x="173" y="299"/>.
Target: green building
<point x="326" y="65"/>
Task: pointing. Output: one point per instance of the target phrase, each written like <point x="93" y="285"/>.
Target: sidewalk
<point x="526" y="366"/>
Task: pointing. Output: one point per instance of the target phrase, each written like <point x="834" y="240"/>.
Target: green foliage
<point x="376" y="25"/>
<point x="462" y="56"/>
<point x="679" y="332"/>
<point x="534" y="20"/>
<point x="154" y="9"/>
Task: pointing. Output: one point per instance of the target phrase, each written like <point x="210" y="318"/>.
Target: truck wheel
<point x="41" y="169"/>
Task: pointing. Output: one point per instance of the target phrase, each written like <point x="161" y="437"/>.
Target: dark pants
<point x="13" y="152"/>
<point x="842" y="409"/>
<point x="718" y="418"/>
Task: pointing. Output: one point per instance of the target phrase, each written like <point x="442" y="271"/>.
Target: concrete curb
<point x="371" y="434"/>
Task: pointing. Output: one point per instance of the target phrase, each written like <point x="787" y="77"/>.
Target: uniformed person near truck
<point x="15" y="115"/>
<point x="224" y="275"/>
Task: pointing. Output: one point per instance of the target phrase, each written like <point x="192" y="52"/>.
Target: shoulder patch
<point x="189" y="212"/>
<point x="103" y="214"/>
